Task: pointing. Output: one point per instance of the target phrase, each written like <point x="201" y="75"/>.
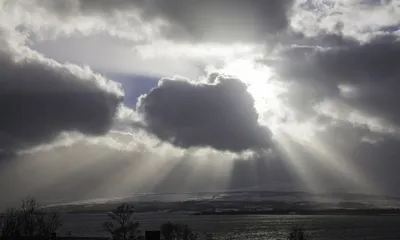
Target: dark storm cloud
<point x="40" y="98"/>
<point x="206" y="20"/>
<point x="219" y="115"/>
<point x="373" y="68"/>
<point x="375" y="61"/>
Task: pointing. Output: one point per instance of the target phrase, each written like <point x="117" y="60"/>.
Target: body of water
<point x="252" y="226"/>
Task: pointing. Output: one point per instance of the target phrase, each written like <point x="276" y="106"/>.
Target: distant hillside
<point x="234" y="201"/>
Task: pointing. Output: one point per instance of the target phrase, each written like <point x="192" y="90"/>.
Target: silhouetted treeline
<point x="28" y="221"/>
<point x="123" y="226"/>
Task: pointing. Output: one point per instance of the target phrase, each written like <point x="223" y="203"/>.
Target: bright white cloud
<point x="48" y="19"/>
<point x="355" y="18"/>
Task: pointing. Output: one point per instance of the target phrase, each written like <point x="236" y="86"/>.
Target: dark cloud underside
<point x="372" y="68"/>
<point x="39" y="99"/>
<point x="219" y="115"/>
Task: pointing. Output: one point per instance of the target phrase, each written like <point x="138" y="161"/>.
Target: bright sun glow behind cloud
<point x="268" y="92"/>
<point x="322" y="74"/>
<point x="265" y="90"/>
<point x="288" y="131"/>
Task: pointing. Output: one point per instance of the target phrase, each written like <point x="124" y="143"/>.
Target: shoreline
<point x="326" y="212"/>
<point x="355" y="212"/>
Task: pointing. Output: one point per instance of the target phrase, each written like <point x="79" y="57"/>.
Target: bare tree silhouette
<point x="122" y="225"/>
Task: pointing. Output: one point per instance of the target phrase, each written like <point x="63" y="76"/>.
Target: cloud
<point x="44" y="19"/>
<point x="220" y="115"/>
<point x="208" y="20"/>
<point x="225" y="20"/>
<point x="361" y="75"/>
<point x="343" y="113"/>
<point x="336" y="61"/>
<point x="40" y="98"/>
<point x="157" y="58"/>
<point x="374" y="61"/>
<point x="353" y="18"/>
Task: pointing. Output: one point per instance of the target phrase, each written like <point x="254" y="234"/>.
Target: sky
<point x="104" y="98"/>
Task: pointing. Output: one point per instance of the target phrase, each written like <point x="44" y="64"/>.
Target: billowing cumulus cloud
<point x="220" y="115"/>
<point x="40" y="98"/>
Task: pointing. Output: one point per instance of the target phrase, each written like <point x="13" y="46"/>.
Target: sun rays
<point x="264" y="89"/>
<point x="126" y="169"/>
<point x="105" y="99"/>
<point x="297" y="142"/>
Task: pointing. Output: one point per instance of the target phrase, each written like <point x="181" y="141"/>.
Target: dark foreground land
<point x="257" y="227"/>
<point x="223" y="219"/>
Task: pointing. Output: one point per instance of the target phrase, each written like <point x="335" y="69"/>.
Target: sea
<point x="266" y="227"/>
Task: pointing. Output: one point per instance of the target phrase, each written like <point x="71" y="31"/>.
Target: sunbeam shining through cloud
<point x="103" y="99"/>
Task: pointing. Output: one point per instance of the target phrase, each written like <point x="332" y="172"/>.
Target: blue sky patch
<point x="134" y="85"/>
